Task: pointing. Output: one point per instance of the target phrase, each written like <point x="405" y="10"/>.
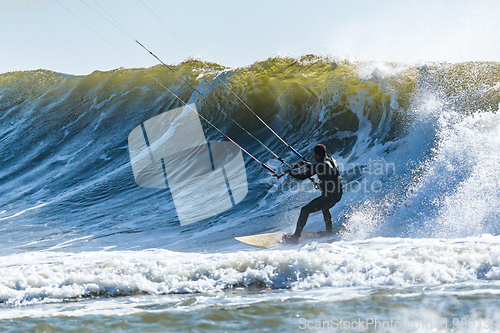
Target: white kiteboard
<point x="266" y="241"/>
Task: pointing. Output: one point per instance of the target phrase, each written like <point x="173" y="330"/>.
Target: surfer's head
<point x="319" y="152"/>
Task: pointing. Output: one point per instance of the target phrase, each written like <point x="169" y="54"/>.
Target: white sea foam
<point x="21" y="212"/>
<point x="52" y="276"/>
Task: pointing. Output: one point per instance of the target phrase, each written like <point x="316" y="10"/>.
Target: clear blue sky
<point x="237" y="33"/>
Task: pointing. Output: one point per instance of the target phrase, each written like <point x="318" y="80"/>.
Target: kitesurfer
<point x="330" y="184"/>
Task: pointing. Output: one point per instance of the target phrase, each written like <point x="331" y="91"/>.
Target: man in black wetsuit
<point x="330" y="185"/>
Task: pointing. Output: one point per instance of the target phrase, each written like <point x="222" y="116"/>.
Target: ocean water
<point x="84" y="249"/>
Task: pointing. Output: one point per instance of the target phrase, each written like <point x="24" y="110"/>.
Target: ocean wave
<point x="51" y="277"/>
<point x="64" y="142"/>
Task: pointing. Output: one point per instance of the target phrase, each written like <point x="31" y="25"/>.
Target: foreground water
<point x="83" y="248"/>
<point x="383" y="284"/>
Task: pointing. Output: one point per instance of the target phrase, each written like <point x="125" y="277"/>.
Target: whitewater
<point x="84" y="248"/>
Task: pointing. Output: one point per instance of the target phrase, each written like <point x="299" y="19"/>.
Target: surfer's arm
<point x="303" y="174"/>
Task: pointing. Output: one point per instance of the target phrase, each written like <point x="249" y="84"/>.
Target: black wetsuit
<point x="331" y="191"/>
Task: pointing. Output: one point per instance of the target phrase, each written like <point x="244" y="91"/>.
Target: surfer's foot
<point x="325" y="233"/>
<point x="291" y="239"/>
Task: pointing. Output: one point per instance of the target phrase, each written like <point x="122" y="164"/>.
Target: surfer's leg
<point x="314" y="206"/>
<point x="328" y="220"/>
<point x="329" y="203"/>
